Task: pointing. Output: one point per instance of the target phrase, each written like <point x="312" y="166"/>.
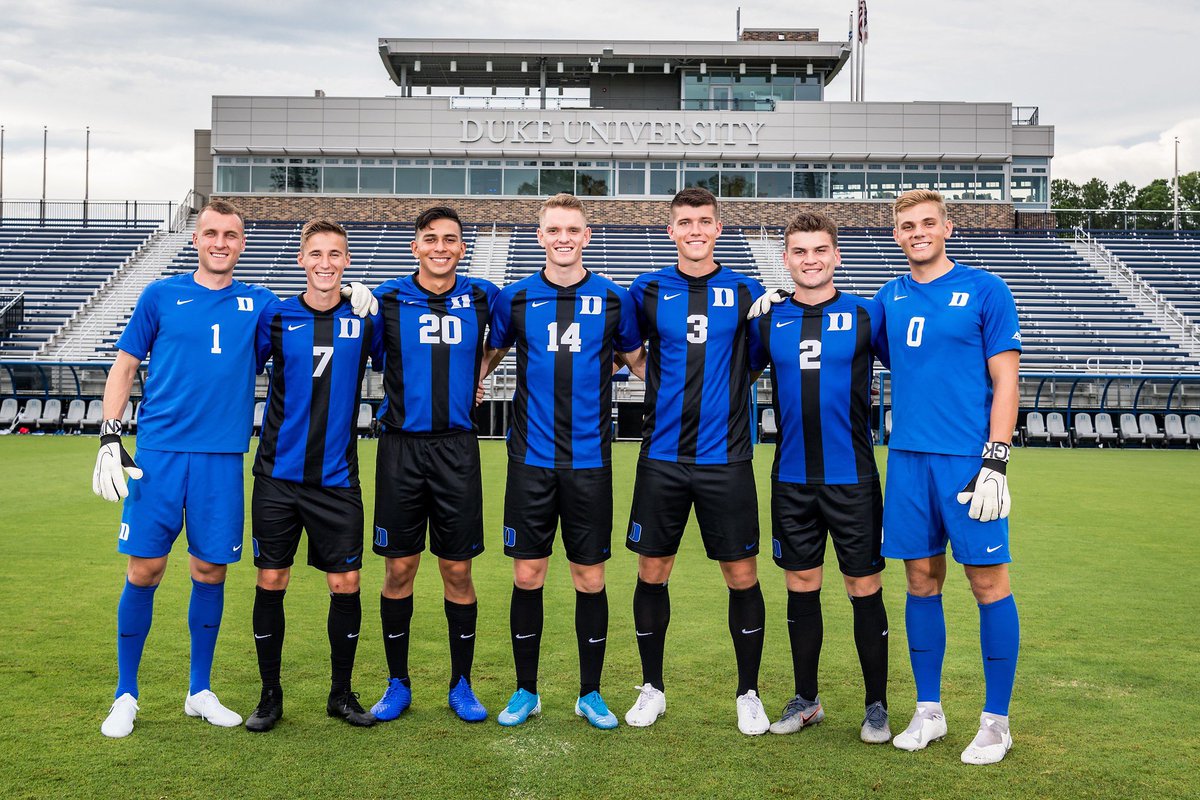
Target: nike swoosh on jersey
<point x="899" y="296"/>
<point x="784" y="324"/>
<point x="183" y="302"/>
<point x="296" y="327"/>
<point x="670" y="296"/>
<point x="539" y="303"/>
<point x="994" y="549"/>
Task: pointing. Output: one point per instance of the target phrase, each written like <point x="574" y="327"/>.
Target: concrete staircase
<point x="490" y="257"/>
<point x="768" y="255"/>
<point x="79" y="338"/>
<point x="1139" y="293"/>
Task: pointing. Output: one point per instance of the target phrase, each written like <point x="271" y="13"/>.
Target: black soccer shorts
<point x="429" y="482"/>
<point x="536" y="498"/>
<point x="803" y="516"/>
<point x="332" y="516"/>
<point x="726" y="508"/>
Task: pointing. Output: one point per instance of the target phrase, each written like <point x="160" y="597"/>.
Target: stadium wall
<point x="600" y="211"/>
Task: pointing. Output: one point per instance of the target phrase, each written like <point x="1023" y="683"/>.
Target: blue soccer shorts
<point x="206" y="488"/>
<point x="921" y="511"/>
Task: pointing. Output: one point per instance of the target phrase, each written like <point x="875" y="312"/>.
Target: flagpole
<point x="853" y="61"/>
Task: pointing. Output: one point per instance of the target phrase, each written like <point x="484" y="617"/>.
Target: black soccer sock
<point x="345" y="620"/>
<point x="525" y="621"/>
<point x="651" y="618"/>
<point x="747" y="618"/>
<point x="591" y="631"/>
<point x="460" y="620"/>
<point x="806" y="631"/>
<point x="268" y="624"/>
<point x="871" y="639"/>
<point x="396" y="615"/>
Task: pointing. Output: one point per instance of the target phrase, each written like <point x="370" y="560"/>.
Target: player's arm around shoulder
<point x="879" y="342"/>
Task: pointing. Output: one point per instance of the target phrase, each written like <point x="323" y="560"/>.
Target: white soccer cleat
<point x="992" y="742"/>
<point x="798" y="713"/>
<point x="206" y="706"/>
<point x="651" y="704"/>
<point x="119" y="722"/>
<point x="752" y="717"/>
<point x="875" y="728"/>
<point x="928" y="725"/>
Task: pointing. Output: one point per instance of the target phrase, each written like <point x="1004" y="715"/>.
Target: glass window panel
<point x="378" y="180"/>
<point x="631" y="181"/>
<point x="268" y="179"/>
<point x="343" y="180"/>
<point x="702" y="178"/>
<point x="449" y="181"/>
<point x="774" y="184"/>
<point x="521" y="181"/>
<point x="411" y="181"/>
<point x="737" y="183"/>
<point x="810" y="184"/>
<point x="233" y="179"/>
<point x="847" y="185"/>
<point x="1030" y="189"/>
<point x="485" y="181"/>
<point x="989" y="187"/>
<point x="593" y="182"/>
<point x="918" y="180"/>
<point x="664" y="181"/>
<point x="304" y="179"/>
<point x="557" y="180"/>
<point x="882" y="186"/>
<point x="958" y="186"/>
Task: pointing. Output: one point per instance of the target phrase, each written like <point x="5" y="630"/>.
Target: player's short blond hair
<point x="321" y="225"/>
<point x="562" y="200"/>
<point x="915" y="197"/>
<point x="224" y="208"/>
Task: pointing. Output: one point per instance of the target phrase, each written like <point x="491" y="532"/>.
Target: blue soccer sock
<point x="204" y="622"/>
<point x="135" y="611"/>
<point x="926" y="626"/>
<point x="999" y="639"/>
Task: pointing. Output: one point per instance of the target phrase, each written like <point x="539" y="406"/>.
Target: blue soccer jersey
<point x="309" y="430"/>
<point x="199" y="391"/>
<point x="566" y="338"/>
<point x="939" y="337"/>
<point x="821" y="359"/>
<point x="434" y="345"/>
<point x="698" y="366"/>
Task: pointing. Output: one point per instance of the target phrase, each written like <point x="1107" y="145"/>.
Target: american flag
<point x="862" y="21"/>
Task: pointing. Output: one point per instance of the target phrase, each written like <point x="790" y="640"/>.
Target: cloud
<point x="1138" y="163"/>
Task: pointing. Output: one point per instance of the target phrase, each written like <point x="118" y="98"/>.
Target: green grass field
<point x="1107" y="549"/>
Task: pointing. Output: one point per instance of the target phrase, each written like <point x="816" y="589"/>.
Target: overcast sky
<point x="1116" y="79"/>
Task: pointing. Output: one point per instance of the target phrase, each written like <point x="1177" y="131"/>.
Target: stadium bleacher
<point x="1170" y="265"/>
<point x="58" y="267"/>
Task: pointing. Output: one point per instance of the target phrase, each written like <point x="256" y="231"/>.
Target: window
<point x="485" y="181"/>
<point x="702" y="175"/>
<point x="737" y="183"/>
<point x="557" y="180"/>
<point x="233" y="179"/>
<point x="379" y="180"/>
<point x="268" y="175"/>
<point x="847" y="185"/>
<point x="810" y="184"/>
<point x="592" y="182"/>
<point x="448" y="181"/>
<point x="882" y="185"/>
<point x="340" y="180"/>
<point x="775" y="183"/>
<point x="664" y="178"/>
<point x="520" y="181"/>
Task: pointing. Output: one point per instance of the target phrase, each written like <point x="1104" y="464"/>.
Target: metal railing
<point x="12" y="312"/>
<point x="192" y="202"/>
<point x="75" y="212"/>
<point x="1024" y="115"/>
<point x="1124" y="219"/>
<point x="729" y="104"/>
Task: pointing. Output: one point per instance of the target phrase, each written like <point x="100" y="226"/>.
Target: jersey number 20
<point x="440" y="330"/>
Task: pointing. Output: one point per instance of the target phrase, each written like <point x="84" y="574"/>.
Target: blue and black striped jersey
<point x="434" y="348"/>
<point x="566" y="338"/>
<point x="698" y="367"/>
<point x="308" y="433"/>
<point x="821" y="360"/>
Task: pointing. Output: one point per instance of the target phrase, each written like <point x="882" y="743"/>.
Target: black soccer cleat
<point x="344" y="704"/>
<point x="269" y="711"/>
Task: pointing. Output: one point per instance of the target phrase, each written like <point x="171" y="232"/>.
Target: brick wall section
<point x="760" y="35"/>
<point x="612" y="212"/>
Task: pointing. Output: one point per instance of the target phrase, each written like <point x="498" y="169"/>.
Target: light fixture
<point x="742" y="68"/>
<point x="667" y="67"/>
<point x="524" y="66"/>
<point x="774" y="68"/>
<point x="560" y="66"/>
<point x="596" y="65"/>
<point x="417" y="65"/>
<point x="454" y="66"/>
<point x="631" y="66"/>
<point x="488" y="67"/>
<point x="809" y="71"/>
<point x="703" y="68"/>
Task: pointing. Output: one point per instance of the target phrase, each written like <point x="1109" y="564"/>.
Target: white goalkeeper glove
<point x="112" y="462"/>
<point x="988" y="491"/>
<point x="361" y="299"/>
<point x="764" y="303"/>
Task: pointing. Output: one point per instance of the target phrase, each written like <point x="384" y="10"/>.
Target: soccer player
<point x="568" y="324"/>
<point x="820" y="345"/>
<point x="428" y="473"/>
<point x="696" y="450"/>
<point x="955" y="343"/>
<point x="306" y="469"/>
<point x="194" y="426"/>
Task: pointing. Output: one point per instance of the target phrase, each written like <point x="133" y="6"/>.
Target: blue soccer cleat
<point x="463" y="701"/>
<point x="593" y="708"/>
<point x="521" y="706"/>
<point x="395" y="700"/>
